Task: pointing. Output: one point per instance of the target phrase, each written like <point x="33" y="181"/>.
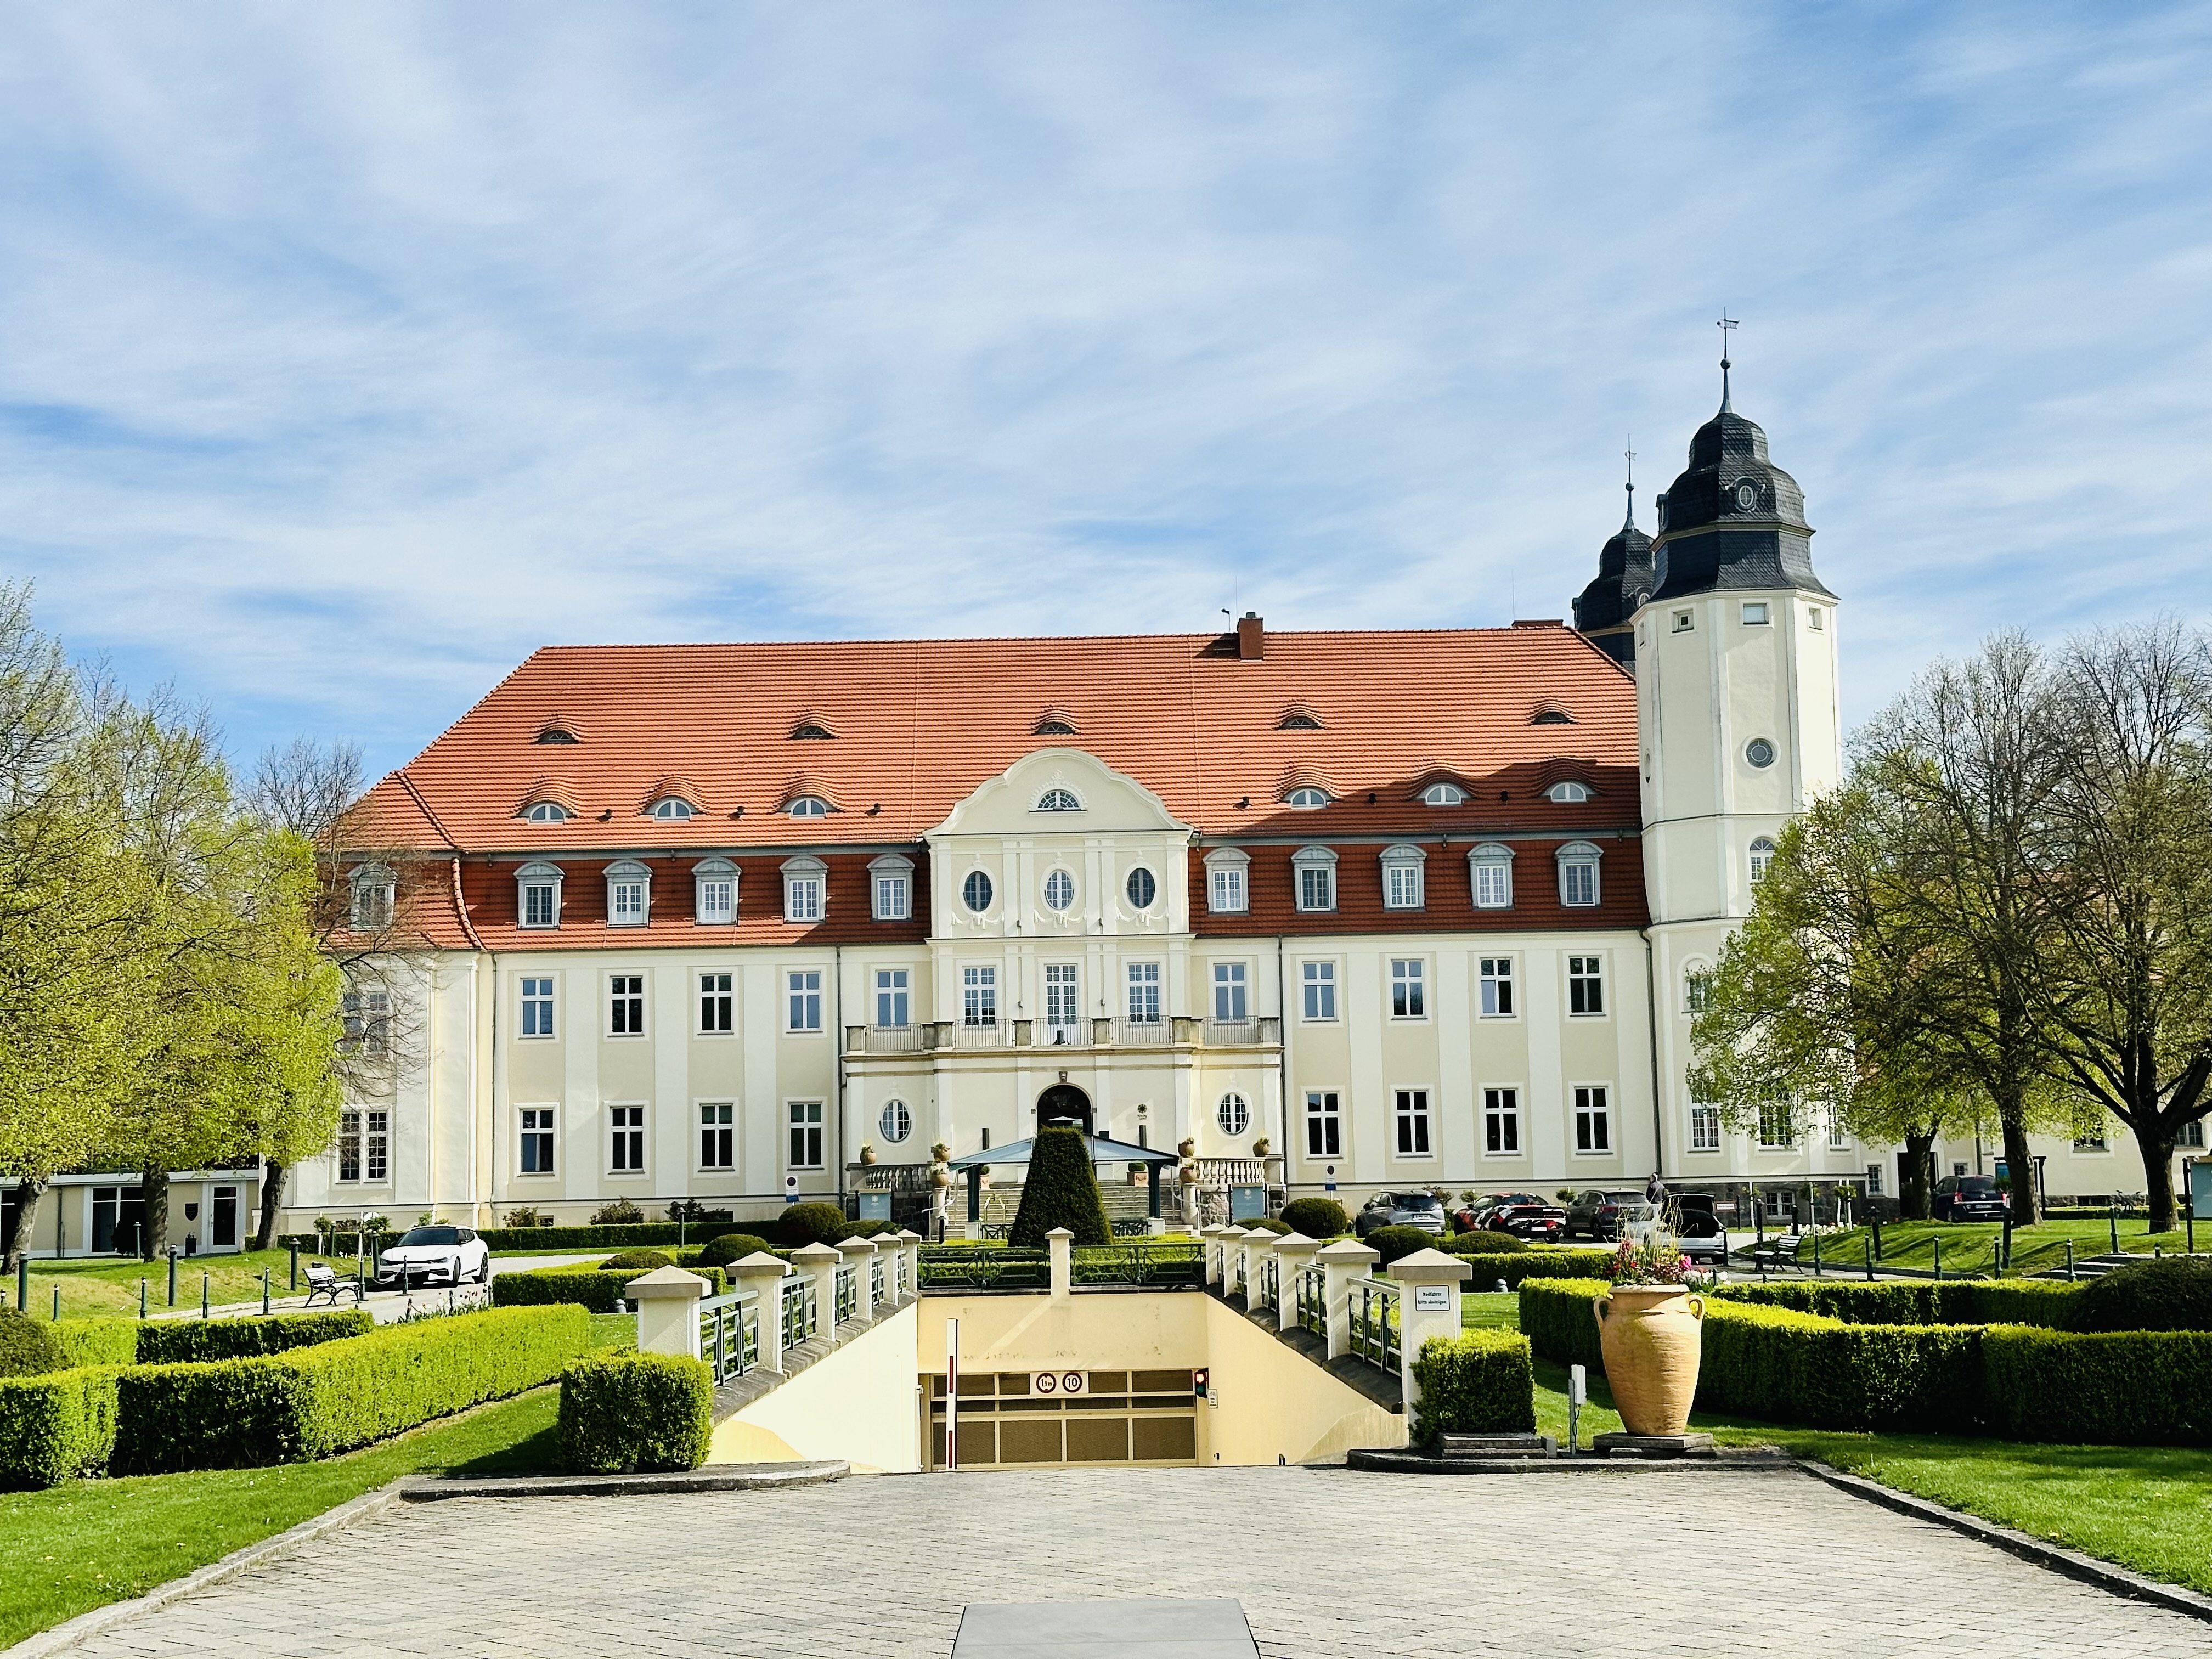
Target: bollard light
<point x="23" y="1282"/>
<point x="57" y="1303"/>
<point x="264" y="1292"/>
<point x="204" y="1295"/>
<point x="141" y="1298"/>
<point x="296" y="1265"/>
<point x="172" y="1275"/>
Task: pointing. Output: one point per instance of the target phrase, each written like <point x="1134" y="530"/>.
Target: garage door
<point x="1059" y="1420"/>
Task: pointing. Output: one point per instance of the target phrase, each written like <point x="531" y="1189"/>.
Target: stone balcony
<point x="1176" y="1031"/>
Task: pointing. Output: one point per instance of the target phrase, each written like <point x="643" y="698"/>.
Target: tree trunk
<point x="18" y="1242"/>
<point x="154" y="1206"/>
<point x="2158" y="1179"/>
<point x="272" y="1190"/>
<point x="1916" y="1181"/>
<point x="2019" y="1168"/>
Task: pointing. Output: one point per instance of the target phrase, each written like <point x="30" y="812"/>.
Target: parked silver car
<point x="1422" y="1210"/>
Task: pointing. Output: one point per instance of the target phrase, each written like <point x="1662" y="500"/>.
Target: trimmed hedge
<point x="1478" y="1382"/>
<point x="814" y="1222"/>
<point x="1316" y="1217"/>
<point x="730" y="1247"/>
<point x="1484" y="1242"/>
<point x="630" y="1413"/>
<point x="1268" y="1223"/>
<point x="313" y="1402"/>
<point x="27" y="1347"/>
<point x="101" y="1341"/>
<point x="1516" y="1269"/>
<point x="2123" y="1387"/>
<point x="1966" y="1302"/>
<point x="642" y="1262"/>
<point x="1061" y="1190"/>
<point x="1556" y="1318"/>
<point x="1823" y="1374"/>
<point x="596" y="1288"/>
<point x="175" y="1341"/>
<point x="1396" y="1244"/>
<point x="2172" y="1294"/>
<point x="56" y="1426"/>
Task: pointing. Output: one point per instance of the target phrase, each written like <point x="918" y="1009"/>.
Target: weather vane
<point x="1727" y="326"/>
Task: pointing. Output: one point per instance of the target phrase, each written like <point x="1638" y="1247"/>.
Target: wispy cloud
<point x="348" y="354"/>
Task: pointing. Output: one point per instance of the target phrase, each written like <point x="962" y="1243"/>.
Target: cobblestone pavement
<point x="1326" y="1562"/>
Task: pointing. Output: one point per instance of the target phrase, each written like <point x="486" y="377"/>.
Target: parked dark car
<point x="1525" y="1215"/>
<point x="1698" y="1229"/>
<point x="1970" y="1198"/>
<point x="1598" y="1214"/>
<point x="1422" y="1210"/>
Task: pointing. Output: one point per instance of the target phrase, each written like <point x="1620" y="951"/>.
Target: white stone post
<point x="764" y="1274"/>
<point x="859" y="1255"/>
<point x="1059" y="1244"/>
<point x="819" y="1263"/>
<point x="910" y="1248"/>
<point x="1343" y="1262"/>
<point x="1259" y="1243"/>
<point x="667" y="1310"/>
<point x="1434" y="1279"/>
<point x="1294" y="1252"/>
<point x="1212" y="1236"/>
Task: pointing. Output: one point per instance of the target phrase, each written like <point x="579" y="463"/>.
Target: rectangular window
<point x="802" y="898"/>
<point x="368" y="1017"/>
<point x="979" y="996"/>
<point x="1593" y="1121"/>
<point x="803" y="988"/>
<point x="1225" y="889"/>
<point x="1705" y="1129"/>
<point x="717" y="1010"/>
<point x="1501" y="1122"/>
<point x="1061" y="1003"/>
<point x="1874" y="1171"/>
<point x="1754" y="613"/>
<point x="718" y="1134"/>
<point x="541" y="905"/>
<point x="626" y="1144"/>
<point x="349" y="1145"/>
<point x="626" y="904"/>
<point x="371" y="906"/>
<point x="626" y="1005"/>
<point x="1316" y="887"/>
<point x="1496" y="988"/>
<point x="894" y="897"/>
<point x="806" y="1134"/>
<point x="1813" y="622"/>
<point x="890" y="996"/>
<point x="1778" y="1126"/>
<point x="1577" y="882"/>
<point x="1324" y="1127"/>
<point x="1683" y="621"/>
<point x="1698" y="992"/>
<point x="1412" y="1117"/>
<point x="2191" y="1134"/>
<point x="538" y="1007"/>
<point x="1229" y="1001"/>
<point x="717" y="899"/>
<point x="1402" y="886"/>
<point x="1319" y="980"/>
<point x="1144" y="993"/>
<point x="2093" y="1142"/>
<point x="1838" y="1139"/>
<point x="536" y="1140"/>
<point x="376" y="1146"/>
<point x="1493" y="885"/>
<point x="1585" y="985"/>
<point x="1408" y="988"/>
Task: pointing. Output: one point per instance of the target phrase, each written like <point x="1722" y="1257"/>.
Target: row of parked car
<point x="1604" y="1216"/>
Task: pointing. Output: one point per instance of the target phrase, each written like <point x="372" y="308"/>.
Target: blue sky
<point x="348" y="354"/>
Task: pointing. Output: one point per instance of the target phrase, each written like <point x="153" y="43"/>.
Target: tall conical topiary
<point x="1061" y="1191"/>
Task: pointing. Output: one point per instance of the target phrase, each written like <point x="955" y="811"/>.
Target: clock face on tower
<point x="1747" y="496"/>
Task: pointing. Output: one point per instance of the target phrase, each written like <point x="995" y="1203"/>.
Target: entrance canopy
<point x="1102" y="1151"/>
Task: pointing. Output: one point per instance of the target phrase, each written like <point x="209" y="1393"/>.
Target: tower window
<point x="1813" y="618"/>
<point x="1685" y="621"/>
<point x="1760" y="751"/>
<point x="1762" y="858"/>
<point x="1754" y="613"/>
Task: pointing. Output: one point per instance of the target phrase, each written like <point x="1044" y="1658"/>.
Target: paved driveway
<point x="1327" y="1563"/>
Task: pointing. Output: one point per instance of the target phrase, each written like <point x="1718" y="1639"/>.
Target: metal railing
<point x="998" y="1035"/>
<point x="1375" y="1322"/>
<point x="1268" y="1291"/>
<point x="895" y="1039"/>
<point x="729" y="1333"/>
<point x="876" y="1296"/>
<point x="799" y="1313"/>
<point x="1313" y="1301"/>
<point x="1232" y="1033"/>
<point x="1139" y="1262"/>
<point x="846" y="1305"/>
<point x="1075" y="1035"/>
<point x="989" y="1267"/>
<point x="1142" y="1033"/>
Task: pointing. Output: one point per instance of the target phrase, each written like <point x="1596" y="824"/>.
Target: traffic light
<point x="1198" y="1383"/>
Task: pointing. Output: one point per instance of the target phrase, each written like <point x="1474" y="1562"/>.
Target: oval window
<point x="897" y="1122"/>
<point x="975" y="892"/>
<point x="1059" y="891"/>
<point x="1747" y="496"/>
<point x="1142" y="888"/>
<point x="1759" y="752"/>
<point x="1233" y="1115"/>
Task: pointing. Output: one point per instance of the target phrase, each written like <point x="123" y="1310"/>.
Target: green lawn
<point x="1972" y="1246"/>
<point x="98" y="1285"/>
<point x="86" y="1543"/>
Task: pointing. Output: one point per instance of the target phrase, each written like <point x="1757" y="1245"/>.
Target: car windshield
<point x="431" y="1235"/>
<point x="1418" y="1202"/>
<point x="1980" y="1185"/>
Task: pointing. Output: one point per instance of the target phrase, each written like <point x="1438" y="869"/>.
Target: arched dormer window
<point x="555" y="732"/>
<point x="374" y="889"/>
<point x="1055" y="723"/>
<point x="1551" y="717"/>
<point x="1578" y="886"/>
<point x="1298" y="718"/>
<point x="1057" y="799"/>
<point x="1490" y="872"/>
<point x="890" y="881"/>
<point x="1306" y="798"/>
<point x="806" y="882"/>
<point x="672" y="809"/>
<point x="1401" y="878"/>
<point x="1228" y="890"/>
<point x="1312" y="872"/>
<point x="713" y="893"/>
<point x="1762" y="858"/>
<point x="808" y="807"/>
<point x="537" y="894"/>
<point x="629" y="894"/>
<point x="1443" y="795"/>
<point x="1568" y="793"/>
<point x="547" y="811"/>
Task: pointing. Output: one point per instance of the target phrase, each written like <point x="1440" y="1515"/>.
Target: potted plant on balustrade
<point x="1650" y="1330"/>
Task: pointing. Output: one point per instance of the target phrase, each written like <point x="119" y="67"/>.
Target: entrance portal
<point x="1064" y="1101"/>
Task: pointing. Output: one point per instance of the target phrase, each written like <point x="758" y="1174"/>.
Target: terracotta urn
<point x="1650" y="1335"/>
<point x="867" y="1152"/>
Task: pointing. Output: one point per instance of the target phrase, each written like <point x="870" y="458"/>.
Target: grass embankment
<point x="107" y="1286"/>
<point x="1972" y="1246"/>
<point x="86" y="1543"/>
<point x="2146" y="1507"/>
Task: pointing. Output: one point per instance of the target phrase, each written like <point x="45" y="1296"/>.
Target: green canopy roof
<point x="1102" y="1151"/>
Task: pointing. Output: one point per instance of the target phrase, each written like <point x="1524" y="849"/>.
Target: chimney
<point x="1251" y="637"/>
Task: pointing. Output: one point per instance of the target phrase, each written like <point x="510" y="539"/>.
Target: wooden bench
<point x="323" y="1280"/>
<point x="1774" y="1253"/>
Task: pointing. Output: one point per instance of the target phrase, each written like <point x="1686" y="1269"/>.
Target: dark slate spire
<point x="1604" y="611"/>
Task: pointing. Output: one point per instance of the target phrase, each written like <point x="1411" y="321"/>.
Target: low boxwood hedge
<point x="103" y="1341"/>
<point x="1396" y="1244"/>
<point x="1478" y="1382"/>
<point x="1556" y="1318"/>
<point x="1965" y="1302"/>
<point x="1316" y="1217"/>
<point x="596" y="1288"/>
<point x="1821" y="1373"/>
<point x="812" y="1223"/>
<point x="731" y="1247"/>
<point x="2174" y="1294"/>
<point x="315" y="1401"/>
<point x="1516" y="1268"/>
<point x="174" y="1341"/>
<point x="643" y="1261"/>
<point x="2121" y="1387"/>
<point x="56" y="1426"/>
<point x="1483" y="1241"/>
<point x="630" y="1413"/>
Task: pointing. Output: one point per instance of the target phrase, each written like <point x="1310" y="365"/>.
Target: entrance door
<point x="1064" y="1100"/>
<point x="225" y="1227"/>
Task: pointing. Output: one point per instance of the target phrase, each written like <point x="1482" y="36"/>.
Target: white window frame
<point x="806" y="806"/>
<point x="1144" y="980"/>
<point x="1758" y="613"/>
<point x="1696" y="988"/>
<point x="1232" y="982"/>
<point x="890" y="888"/>
<point x="718" y="1003"/>
<point x="1058" y="798"/>
<point x="375" y="896"/>
<point x="802" y="995"/>
<point x="1568" y="793"/>
<point x="1490" y="876"/>
<point x="1759" y="858"/>
<point x="1578" y="855"/>
<point x="1685" y="622"/>
<point x="629" y="894"/>
<point x="365" y="1017"/>
<point x="537" y="1121"/>
<point x="1409" y="989"/>
<point x="894" y="991"/>
<point x="1061" y="883"/>
<point x="626" y="1138"/>
<point x="537" y="873"/>
<point x="990" y="893"/>
<point x="1704" y="1127"/>
<point x="1411" y="1120"/>
<point x="1839" y="1140"/>
<point x="546" y="812"/>
<point x="806" y="889"/>
<point x="1307" y="798"/>
<point x="1501" y="1120"/>
<point x="1443" y="795"/>
<point x="536" y="995"/>
<point x="672" y="809"/>
<point x="1063" y="995"/>
<point x="1324" y="1122"/>
<point x="1403" y="888"/>
<point x="1495" y="975"/>
<point x="1317" y="991"/>
<point x="1313" y="874"/>
<point x="718" y="1136"/>
<point x="1781" y="1114"/>
<point x="1590" y="1107"/>
<point x="884" y="1122"/>
<point x="979" y="995"/>
<point x="1586" y="968"/>
<point x="625" y="990"/>
<point x="1129" y="888"/>
<point x="1813" y="618"/>
<point x="1242" y="1115"/>
<point x="804" y="1139"/>
<point x="1227" y="882"/>
<point x="714" y="880"/>
<point x="345" y="1151"/>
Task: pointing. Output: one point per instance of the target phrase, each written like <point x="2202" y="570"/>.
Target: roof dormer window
<point x="673" y="809"/>
<point x="1306" y="799"/>
<point x="556" y="734"/>
<point x="1490" y="869"/>
<point x="538" y="895"/>
<point x="547" y="811"/>
<point x="714" y="892"/>
<point x="1401" y="878"/>
<point x="809" y="732"/>
<point x="1059" y="800"/>
<point x="1578" y="874"/>
<point x="373" y="888"/>
<point x="808" y="807"/>
<point x="1298" y="720"/>
<point x="1568" y="793"/>
<point x="1443" y="795"/>
<point x="630" y="891"/>
<point x="1313" y="873"/>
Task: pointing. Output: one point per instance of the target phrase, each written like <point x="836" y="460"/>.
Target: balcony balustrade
<point x="927" y="1037"/>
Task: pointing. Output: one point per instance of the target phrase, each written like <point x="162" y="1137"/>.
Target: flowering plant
<point x="1656" y="1258"/>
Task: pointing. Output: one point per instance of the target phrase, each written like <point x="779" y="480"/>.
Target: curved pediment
<point x="1032" y="795"/>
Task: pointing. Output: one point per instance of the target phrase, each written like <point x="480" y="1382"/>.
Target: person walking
<point x="1655" y="1190"/>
